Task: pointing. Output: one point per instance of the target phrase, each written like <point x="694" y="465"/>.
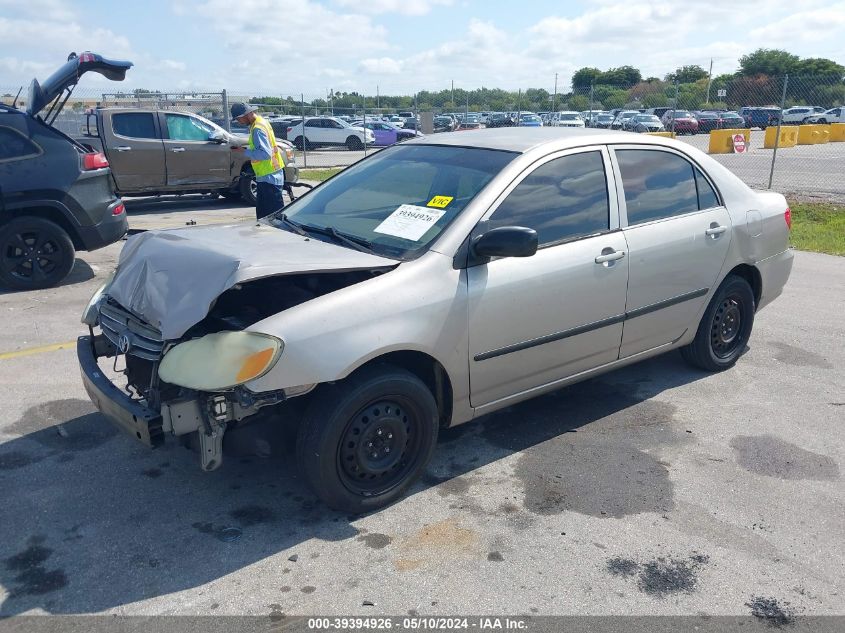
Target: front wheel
<point x="725" y="328"/>
<point x="354" y="143"/>
<point x="248" y="188"/>
<point x="363" y="441"/>
<point x="34" y="253"/>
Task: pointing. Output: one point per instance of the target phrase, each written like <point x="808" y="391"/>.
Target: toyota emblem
<point x="124" y="343"/>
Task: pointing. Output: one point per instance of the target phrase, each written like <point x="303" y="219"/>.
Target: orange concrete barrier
<point x="721" y="141"/>
<point x="665" y="134"/>
<point x="788" y="136"/>
<point x="837" y="132"/>
<point x="813" y="134"/>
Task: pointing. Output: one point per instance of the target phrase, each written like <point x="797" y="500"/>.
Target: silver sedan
<point x="429" y="284"/>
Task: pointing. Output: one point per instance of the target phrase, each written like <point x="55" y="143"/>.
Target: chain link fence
<point x="794" y="125"/>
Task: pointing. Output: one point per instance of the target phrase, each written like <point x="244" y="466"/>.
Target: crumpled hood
<point x="171" y="278"/>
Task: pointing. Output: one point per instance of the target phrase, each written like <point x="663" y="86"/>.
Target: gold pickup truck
<point x="155" y="152"/>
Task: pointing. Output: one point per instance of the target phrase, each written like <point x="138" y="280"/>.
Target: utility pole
<point x="453" y="93"/>
<point x="554" y="96"/>
<point x="709" y="79"/>
<point x="378" y="99"/>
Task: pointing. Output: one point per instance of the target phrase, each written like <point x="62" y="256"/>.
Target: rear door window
<point x="657" y="184"/>
<point x="134" y="125"/>
<point x="15" y="146"/>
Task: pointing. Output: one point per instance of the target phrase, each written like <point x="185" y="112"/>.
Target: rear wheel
<point x="725" y="327"/>
<point x="34" y="253"/>
<point x="354" y="143"/>
<point x="248" y="188"/>
<point x="363" y="441"/>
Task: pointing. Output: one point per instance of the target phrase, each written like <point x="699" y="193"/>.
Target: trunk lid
<point x="42" y="94"/>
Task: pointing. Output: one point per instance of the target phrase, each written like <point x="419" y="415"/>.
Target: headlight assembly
<point x="221" y="360"/>
<point x="89" y="314"/>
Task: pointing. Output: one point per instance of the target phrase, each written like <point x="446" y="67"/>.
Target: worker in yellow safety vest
<point x="267" y="160"/>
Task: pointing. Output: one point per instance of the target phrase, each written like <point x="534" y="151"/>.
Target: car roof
<point x="522" y="139"/>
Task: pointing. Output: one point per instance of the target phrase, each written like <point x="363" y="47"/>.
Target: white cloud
<point x="381" y="66"/>
<point x="404" y="7"/>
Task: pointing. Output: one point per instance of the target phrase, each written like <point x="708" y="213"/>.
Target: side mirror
<point x="217" y="137"/>
<point x="504" y="241"/>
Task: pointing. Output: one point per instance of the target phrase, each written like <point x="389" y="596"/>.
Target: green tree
<point x="624" y="77"/>
<point x="578" y="103"/>
<point x="766" y="61"/>
<point x="819" y="67"/>
<point x="583" y="77"/>
<point x="687" y="74"/>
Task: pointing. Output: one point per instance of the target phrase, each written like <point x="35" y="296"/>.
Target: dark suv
<point x="56" y="196"/>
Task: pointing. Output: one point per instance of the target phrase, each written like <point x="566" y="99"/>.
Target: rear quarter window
<point x="15" y="146"/>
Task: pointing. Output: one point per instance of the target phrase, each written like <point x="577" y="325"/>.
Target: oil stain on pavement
<point x="771" y="456"/>
<point x="799" y="357"/>
<point x="65" y="425"/>
<point x="31" y="575"/>
<point x="661" y="576"/>
<point x="773" y="612"/>
<point x="375" y="540"/>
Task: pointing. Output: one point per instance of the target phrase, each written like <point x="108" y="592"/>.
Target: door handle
<point x="609" y="257"/>
<point x="178" y="149"/>
<point x="123" y="148"/>
<point x="715" y="231"/>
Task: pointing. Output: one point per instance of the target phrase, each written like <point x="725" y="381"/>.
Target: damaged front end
<point x="196" y="382"/>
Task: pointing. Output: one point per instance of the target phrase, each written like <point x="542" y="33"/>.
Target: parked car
<point x="529" y="119"/>
<point x="500" y="119"/>
<point x="56" y="196"/>
<point x="684" y="122"/>
<point x="566" y="119"/>
<point x="658" y="112"/>
<point x="645" y="123"/>
<point x="621" y="117"/>
<point x="603" y="120"/>
<point x="444" y="124"/>
<point x="327" y="132"/>
<point x="448" y="236"/>
<point x="731" y="120"/>
<point x="834" y="115"/>
<point x="155" y="152"/>
<point x="388" y="134"/>
<point x="799" y="114"/>
<point x="759" y="117"/>
<point x="280" y="126"/>
<point x="470" y="121"/>
<point x="708" y="121"/>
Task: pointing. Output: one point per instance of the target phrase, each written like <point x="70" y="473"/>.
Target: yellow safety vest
<point x="276" y="162"/>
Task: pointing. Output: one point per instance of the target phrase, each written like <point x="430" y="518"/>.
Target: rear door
<point x="135" y="150"/>
<point x="192" y="159"/>
<point x="678" y="234"/>
<point x="314" y="131"/>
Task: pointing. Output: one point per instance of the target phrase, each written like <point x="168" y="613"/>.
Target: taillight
<point x="118" y="209"/>
<point x="787" y="215"/>
<point x="289" y="129"/>
<point x="94" y="161"/>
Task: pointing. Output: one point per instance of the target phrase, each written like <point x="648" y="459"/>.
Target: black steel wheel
<point x="364" y="440"/>
<point x="34" y="253"/>
<point x="354" y="143"/>
<point x="725" y="328"/>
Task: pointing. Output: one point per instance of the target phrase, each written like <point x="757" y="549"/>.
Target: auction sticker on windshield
<point x="409" y="222"/>
<point x="440" y="202"/>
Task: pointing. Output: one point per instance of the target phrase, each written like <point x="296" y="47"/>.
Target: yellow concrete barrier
<point x="813" y="134"/>
<point x="721" y="141"/>
<point x="837" y="132"/>
<point x="788" y="136"/>
<point x="665" y="134"/>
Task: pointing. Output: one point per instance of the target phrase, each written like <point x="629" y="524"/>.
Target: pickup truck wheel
<point x="364" y="440"/>
<point x="248" y="189"/>
<point x="725" y="327"/>
<point x="34" y="253"/>
<point x="354" y="143"/>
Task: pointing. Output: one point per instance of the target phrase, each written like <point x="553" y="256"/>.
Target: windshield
<point x="532" y="118"/>
<point x="402" y="198"/>
<point x="650" y="118"/>
<point x="605" y="117"/>
<point x="707" y="115"/>
<point x="682" y="114"/>
<point x="570" y="117"/>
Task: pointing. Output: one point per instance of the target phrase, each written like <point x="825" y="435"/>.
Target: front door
<point x="135" y="151"/>
<point x="535" y="320"/>
<point x="678" y="234"/>
<point x="192" y="160"/>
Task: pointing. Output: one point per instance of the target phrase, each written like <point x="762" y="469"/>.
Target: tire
<point x="297" y="143"/>
<point x="34" y="253"/>
<point x="725" y="327"/>
<point x="383" y="406"/>
<point x="354" y="143"/>
<point x="248" y="189"/>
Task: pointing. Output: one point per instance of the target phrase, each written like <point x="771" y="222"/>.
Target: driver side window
<point x="186" y="128"/>
<point x="563" y="199"/>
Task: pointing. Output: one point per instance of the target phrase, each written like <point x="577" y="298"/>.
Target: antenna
<point x="14" y="103"/>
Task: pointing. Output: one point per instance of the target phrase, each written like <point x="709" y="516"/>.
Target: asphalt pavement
<point x="656" y="489"/>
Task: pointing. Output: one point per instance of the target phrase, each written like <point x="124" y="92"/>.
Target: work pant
<point x="268" y="200"/>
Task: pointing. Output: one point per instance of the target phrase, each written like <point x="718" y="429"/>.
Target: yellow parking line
<point x="37" y="350"/>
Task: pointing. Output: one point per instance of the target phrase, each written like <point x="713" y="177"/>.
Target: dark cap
<point x="240" y="109"/>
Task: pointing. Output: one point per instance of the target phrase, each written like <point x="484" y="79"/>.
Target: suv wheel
<point x="34" y="253"/>
<point x="354" y="143"/>
<point x="364" y="440"/>
<point x="248" y="188"/>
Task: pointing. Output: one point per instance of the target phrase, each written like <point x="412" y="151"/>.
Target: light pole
<point x="554" y="96"/>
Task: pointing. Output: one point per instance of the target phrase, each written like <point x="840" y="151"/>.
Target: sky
<point x="293" y="47"/>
